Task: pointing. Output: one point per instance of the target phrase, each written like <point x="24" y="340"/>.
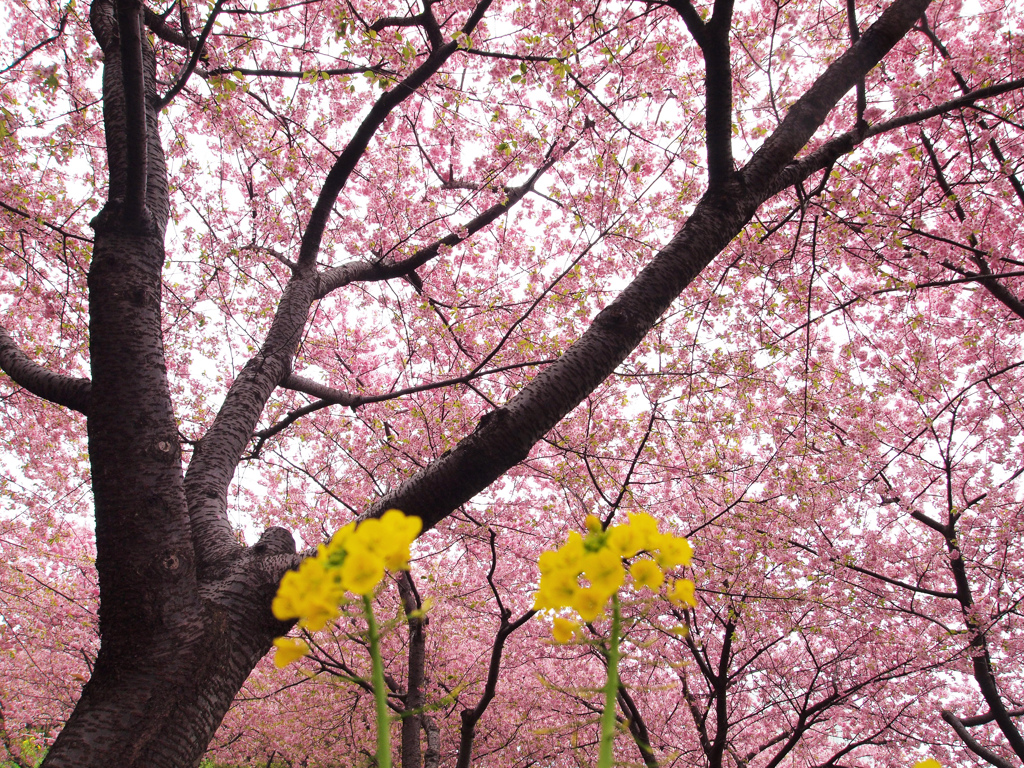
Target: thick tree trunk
<point x="157" y="696"/>
<point x="177" y="640"/>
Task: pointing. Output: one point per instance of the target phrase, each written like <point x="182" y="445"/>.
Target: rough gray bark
<point x="412" y="717"/>
<point x="175" y="645"/>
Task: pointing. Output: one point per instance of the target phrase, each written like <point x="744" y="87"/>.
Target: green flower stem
<point x="611" y="691"/>
<point x="380" y="693"/>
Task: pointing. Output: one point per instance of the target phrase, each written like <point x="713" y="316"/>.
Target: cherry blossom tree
<point x="751" y="268"/>
<point x="48" y="632"/>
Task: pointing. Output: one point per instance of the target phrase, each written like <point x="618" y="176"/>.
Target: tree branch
<point x="721" y="688"/>
<point x="129" y="25"/>
<point x="504" y="437"/>
<point x="960" y="81"/>
<point x="637" y="727"/>
<point x="713" y="39"/>
<point x="219" y="451"/>
<point x="470" y="717"/>
<point x="694" y="23"/>
<point x="810" y="111"/>
<point x="396" y="21"/>
<point x="412" y="756"/>
<point x="718" y="93"/>
<point x="981" y="660"/>
<point x="297" y="73"/>
<point x="432" y="754"/>
<point x="826" y="155"/>
<point x="425" y="21"/>
<point x="334" y="278"/>
<point x="990" y="282"/>
<point x="972" y="744"/>
<point x="68" y="391"/>
<point x="158" y="26"/>
<point x="61" y="24"/>
<point x="988" y="717"/>
<point x="880" y="577"/>
<point x="59" y="230"/>
<point x="347" y="160"/>
<point x="193" y="60"/>
<point x="700" y="717"/>
<point x="369" y="271"/>
<point x="332" y="396"/>
<point x="329" y="395"/>
<point x="862" y="99"/>
<point x="994" y="287"/>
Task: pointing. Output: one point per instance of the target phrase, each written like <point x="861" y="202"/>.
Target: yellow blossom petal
<point x="310" y="594"/>
<point x="396" y="533"/>
<point x="316" y="616"/>
<point x="367" y="537"/>
<point x="288" y="650"/>
<point x="572" y="552"/>
<point x="362" y="570"/>
<point x="645" y="528"/>
<point x="549" y="561"/>
<point x="604" y="570"/>
<point x="563" y="629"/>
<point x="623" y="541"/>
<point x="397" y="558"/>
<point x="673" y="551"/>
<point x="589" y="602"/>
<point x="340" y="539"/>
<point x="646" y="573"/>
<point x="593" y="524"/>
<point x="285" y="602"/>
<point x="557" y="589"/>
<point x="403" y="526"/>
<point x="354" y="559"/>
<point x="682" y="593"/>
<point x="931" y="762"/>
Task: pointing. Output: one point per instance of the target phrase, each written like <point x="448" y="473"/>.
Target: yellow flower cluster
<point x="598" y="558"/>
<point x="353" y="561"/>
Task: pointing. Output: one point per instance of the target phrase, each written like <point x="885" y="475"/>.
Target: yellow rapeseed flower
<point x="623" y="540"/>
<point x="646" y="529"/>
<point x="563" y="629"/>
<point x="354" y="560"/>
<point x="310" y="594"/>
<point x="362" y="571"/>
<point x="597" y="558"/>
<point x="673" y="551"/>
<point x="589" y="602"/>
<point x="550" y="561"/>
<point x="368" y="536"/>
<point x="646" y="573"/>
<point x="398" y="532"/>
<point x="557" y="590"/>
<point x="604" y="570"/>
<point x="340" y="539"/>
<point x="289" y="649"/>
<point x="682" y="593"/>
<point x="573" y="550"/>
